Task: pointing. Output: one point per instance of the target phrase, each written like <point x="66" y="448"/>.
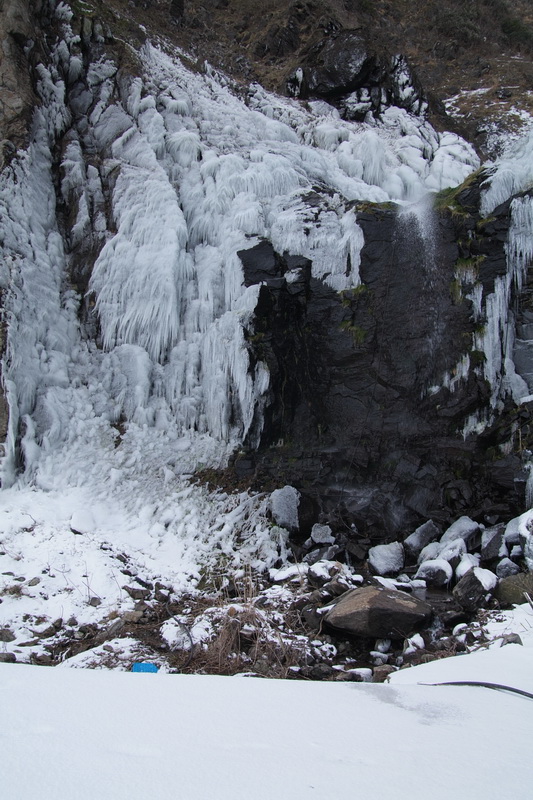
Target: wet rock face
<point x="343" y="70"/>
<point x="358" y="416"/>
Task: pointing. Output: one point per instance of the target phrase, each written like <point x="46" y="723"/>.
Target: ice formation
<point x="192" y="174"/>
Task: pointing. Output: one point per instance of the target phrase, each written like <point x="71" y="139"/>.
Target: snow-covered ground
<point x="94" y="734"/>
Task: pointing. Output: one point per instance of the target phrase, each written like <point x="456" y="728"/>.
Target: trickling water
<point x="416" y="237"/>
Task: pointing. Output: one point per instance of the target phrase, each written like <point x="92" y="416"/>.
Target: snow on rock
<point x="322" y="534"/>
<point x="82" y="521"/>
<point x="487" y="578"/>
<point x="386" y="559"/>
<point x="463" y="528"/>
<point x="284" y="505"/>
<point x="467" y="562"/>
<point x="506" y="567"/>
<point x="435" y="571"/>
<point x="420" y="538"/>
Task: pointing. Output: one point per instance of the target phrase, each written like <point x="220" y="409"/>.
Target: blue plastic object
<point x="144" y="666"/>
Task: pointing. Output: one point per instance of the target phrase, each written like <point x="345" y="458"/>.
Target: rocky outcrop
<point x="343" y="70"/>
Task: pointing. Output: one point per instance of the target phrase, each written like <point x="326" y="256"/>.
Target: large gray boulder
<point x="376" y="612"/>
<point x="386" y="559"/>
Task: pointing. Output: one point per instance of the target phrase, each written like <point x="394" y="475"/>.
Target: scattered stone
<point x="161" y="597"/>
<point x="463" y="528"/>
<point x="386" y="559"/>
<point x="34" y="581"/>
<point x="420" y="538"/>
<point x="6" y="635"/>
<point x="382" y="672"/>
<point x="492" y="542"/>
<point x="58" y="623"/>
<point x="95" y="601"/>
<point x="436" y="572"/>
<point x="339" y="585"/>
<point x="378" y="613"/>
<point x="145" y="584"/>
<point x="284" y="506"/>
<point x="132" y="616"/>
<point x="511" y="590"/>
<point x="512" y="532"/>
<point x="116" y="626"/>
<point x="321" y="554"/>
<point x="319" y="672"/>
<point x="47" y="633"/>
<point x="8" y="658"/>
<point x="137" y="594"/>
<point x="41" y="659"/>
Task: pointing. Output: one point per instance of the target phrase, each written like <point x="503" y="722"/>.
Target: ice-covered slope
<point x="165" y="178"/>
<point x="129" y="379"/>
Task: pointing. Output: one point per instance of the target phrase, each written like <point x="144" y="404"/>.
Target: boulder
<point x="453" y="552"/>
<point x="511" y="590"/>
<point x="492" y="542"/>
<point x="417" y="540"/>
<point x="378" y="613"/>
<point x="463" y="528"/>
<point x="435" y="572"/>
<point x="472" y="590"/>
<point x="386" y="559"/>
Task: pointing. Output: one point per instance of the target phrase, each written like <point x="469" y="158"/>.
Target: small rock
<point x="506" y="567"/>
<point x="511" y="638"/>
<point x="161" y="597"/>
<point x="8" y="658"/>
<point x="6" y="635"/>
<point x="320" y="672"/>
<point x="322" y="534"/>
<point x="322" y="572"/>
<point x="47" y="633"/>
<point x="132" y="616"/>
<point x="382" y="673"/>
<point x="95" y="601"/>
<point x="34" y="581"/>
<point x="137" y="594"/>
<point x="386" y="559"/>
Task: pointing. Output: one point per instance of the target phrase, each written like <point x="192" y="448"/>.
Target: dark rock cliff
<point x="359" y="418"/>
